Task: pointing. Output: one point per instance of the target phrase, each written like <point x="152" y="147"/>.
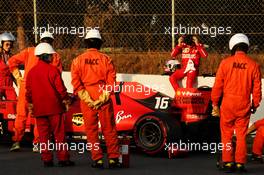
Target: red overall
<point x="193" y="53"/>
<point x="237" y="78"/>
<point x="29" y="60"/>
<point x="46" y="91"/>
<point x="90" y="71"/>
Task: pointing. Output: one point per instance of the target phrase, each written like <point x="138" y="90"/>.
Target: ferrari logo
<point x="178" y="93"/>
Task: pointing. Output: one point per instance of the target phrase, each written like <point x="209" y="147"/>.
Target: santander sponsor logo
<point x="120" y="116"/>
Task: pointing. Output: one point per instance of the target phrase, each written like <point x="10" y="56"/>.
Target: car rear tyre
<point x="154" y="130"/>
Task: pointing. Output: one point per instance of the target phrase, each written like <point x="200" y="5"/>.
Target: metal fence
<point x="135" y="25"/>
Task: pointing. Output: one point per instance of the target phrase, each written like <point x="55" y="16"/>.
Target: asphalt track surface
<point x="27" y="163"/>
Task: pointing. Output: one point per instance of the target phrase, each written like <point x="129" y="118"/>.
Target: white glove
<point x="215" y="111"/>
<point x="17" y="75"/>
<point x="85" y="96"/>
<point x="103" y="98"/>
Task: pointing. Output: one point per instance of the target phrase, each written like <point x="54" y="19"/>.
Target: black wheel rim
<point x="150" y="135"/>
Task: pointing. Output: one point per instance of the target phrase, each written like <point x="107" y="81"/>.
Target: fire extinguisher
<point x="124" y="157"/>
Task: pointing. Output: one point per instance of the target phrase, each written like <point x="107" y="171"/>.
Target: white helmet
<point x="171" y="65"/>
<point x="44" y="48"/>
<point x="46" y="34"/>
<point x="238" y="38"/>
<point x="7" y="37"/>
<point x="93" y="33"/>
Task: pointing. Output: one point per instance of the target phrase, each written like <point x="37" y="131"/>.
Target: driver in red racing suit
<point x="191" y="51"/>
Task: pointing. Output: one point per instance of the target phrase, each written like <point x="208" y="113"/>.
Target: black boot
<point x="65" y="163"/>
<point x="98" y="164"/>
<point x="240" y="167"/>
<point x="229" y="167"/>
<point x="256" y="158"/>
<point x="114" y="163"/>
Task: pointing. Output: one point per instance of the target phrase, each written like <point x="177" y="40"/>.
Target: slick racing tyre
<point x="153" y="131"/>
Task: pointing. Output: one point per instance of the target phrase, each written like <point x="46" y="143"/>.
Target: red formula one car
<point x="7" y="118"/>
<point x="151" y="118"/>
<point x="154" y="119"/>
